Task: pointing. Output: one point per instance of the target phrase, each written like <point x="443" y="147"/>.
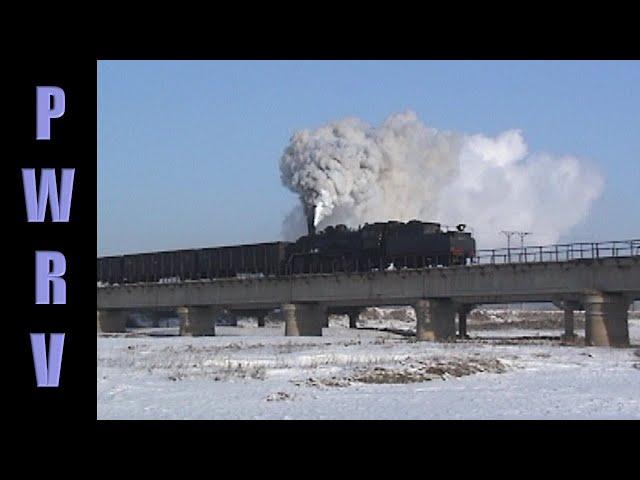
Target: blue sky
<point x="188" y="152"/>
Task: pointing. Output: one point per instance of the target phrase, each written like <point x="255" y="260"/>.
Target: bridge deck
<point x="472" y="284"/>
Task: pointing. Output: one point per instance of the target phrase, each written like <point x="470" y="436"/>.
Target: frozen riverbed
<point x="256" y="373"/>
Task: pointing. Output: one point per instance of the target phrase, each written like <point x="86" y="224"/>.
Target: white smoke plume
<point x="355" y="173"/>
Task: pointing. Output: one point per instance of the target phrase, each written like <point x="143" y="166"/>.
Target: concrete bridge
<point x="602" y="287"/>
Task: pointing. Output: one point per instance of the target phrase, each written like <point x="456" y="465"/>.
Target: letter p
<point x="46" y="109"/>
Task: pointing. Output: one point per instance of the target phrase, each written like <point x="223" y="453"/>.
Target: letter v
<point x="47" y="373"/>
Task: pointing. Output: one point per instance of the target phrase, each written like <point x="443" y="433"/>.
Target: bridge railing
<point x="528" y="254"/>
<point x="559" y="252"/>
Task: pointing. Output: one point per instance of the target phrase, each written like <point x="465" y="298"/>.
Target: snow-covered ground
<point x="248" y="372"/>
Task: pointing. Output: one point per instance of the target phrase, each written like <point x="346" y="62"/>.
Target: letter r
<point x="50" y="267"/>
<point x="45" y="111"/>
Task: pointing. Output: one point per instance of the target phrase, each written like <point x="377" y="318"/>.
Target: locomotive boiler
<point x="381" y="245"/>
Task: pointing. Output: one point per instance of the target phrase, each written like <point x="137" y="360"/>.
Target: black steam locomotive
<point x="375" y="246"/>
<point x="379" y="246"/>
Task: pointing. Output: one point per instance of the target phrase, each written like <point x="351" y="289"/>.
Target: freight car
<point x="195" y="264"/>
<point x="379" y="246"/>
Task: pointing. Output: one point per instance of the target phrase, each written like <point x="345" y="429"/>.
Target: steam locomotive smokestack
<point x="311" y="218"/>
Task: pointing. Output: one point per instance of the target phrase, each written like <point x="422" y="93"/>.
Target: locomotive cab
<point x="462" y="246"/>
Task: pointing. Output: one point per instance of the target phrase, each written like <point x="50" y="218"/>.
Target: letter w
<point x="36" y="200"/>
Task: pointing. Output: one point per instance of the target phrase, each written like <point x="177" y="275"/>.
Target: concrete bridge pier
<point x="569" y="336"/>
<point x="606" y="319"/>
<point x="435" y="319"/>
<point x="112" y="321"/>
<point x="463" y="311"/>
<point x="304" y="319"/>
<point x="197" y="321"/>
<point x="354" y="315"/>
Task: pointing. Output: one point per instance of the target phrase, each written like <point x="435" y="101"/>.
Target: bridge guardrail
<point x="558" y="252"/>
<point x="528" y="254"/>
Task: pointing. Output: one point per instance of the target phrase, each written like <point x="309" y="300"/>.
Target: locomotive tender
<point x="375" y="246"/>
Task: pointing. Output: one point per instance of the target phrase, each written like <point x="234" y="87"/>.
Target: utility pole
<point x="522" y="235"/>
<point x="522" y="250"/>
<point x="508" y="234"/>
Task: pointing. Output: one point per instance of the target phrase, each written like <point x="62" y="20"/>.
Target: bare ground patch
<point x="514" y="340"/>
<point x="412" y="372"/>
<point x="219" y="375"/>
<point x="279" y="397"/>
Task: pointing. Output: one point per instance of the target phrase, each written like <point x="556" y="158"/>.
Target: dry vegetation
<point x="409" y="372"/>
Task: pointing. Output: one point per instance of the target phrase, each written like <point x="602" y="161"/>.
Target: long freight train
<point x="373" y="246"/>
